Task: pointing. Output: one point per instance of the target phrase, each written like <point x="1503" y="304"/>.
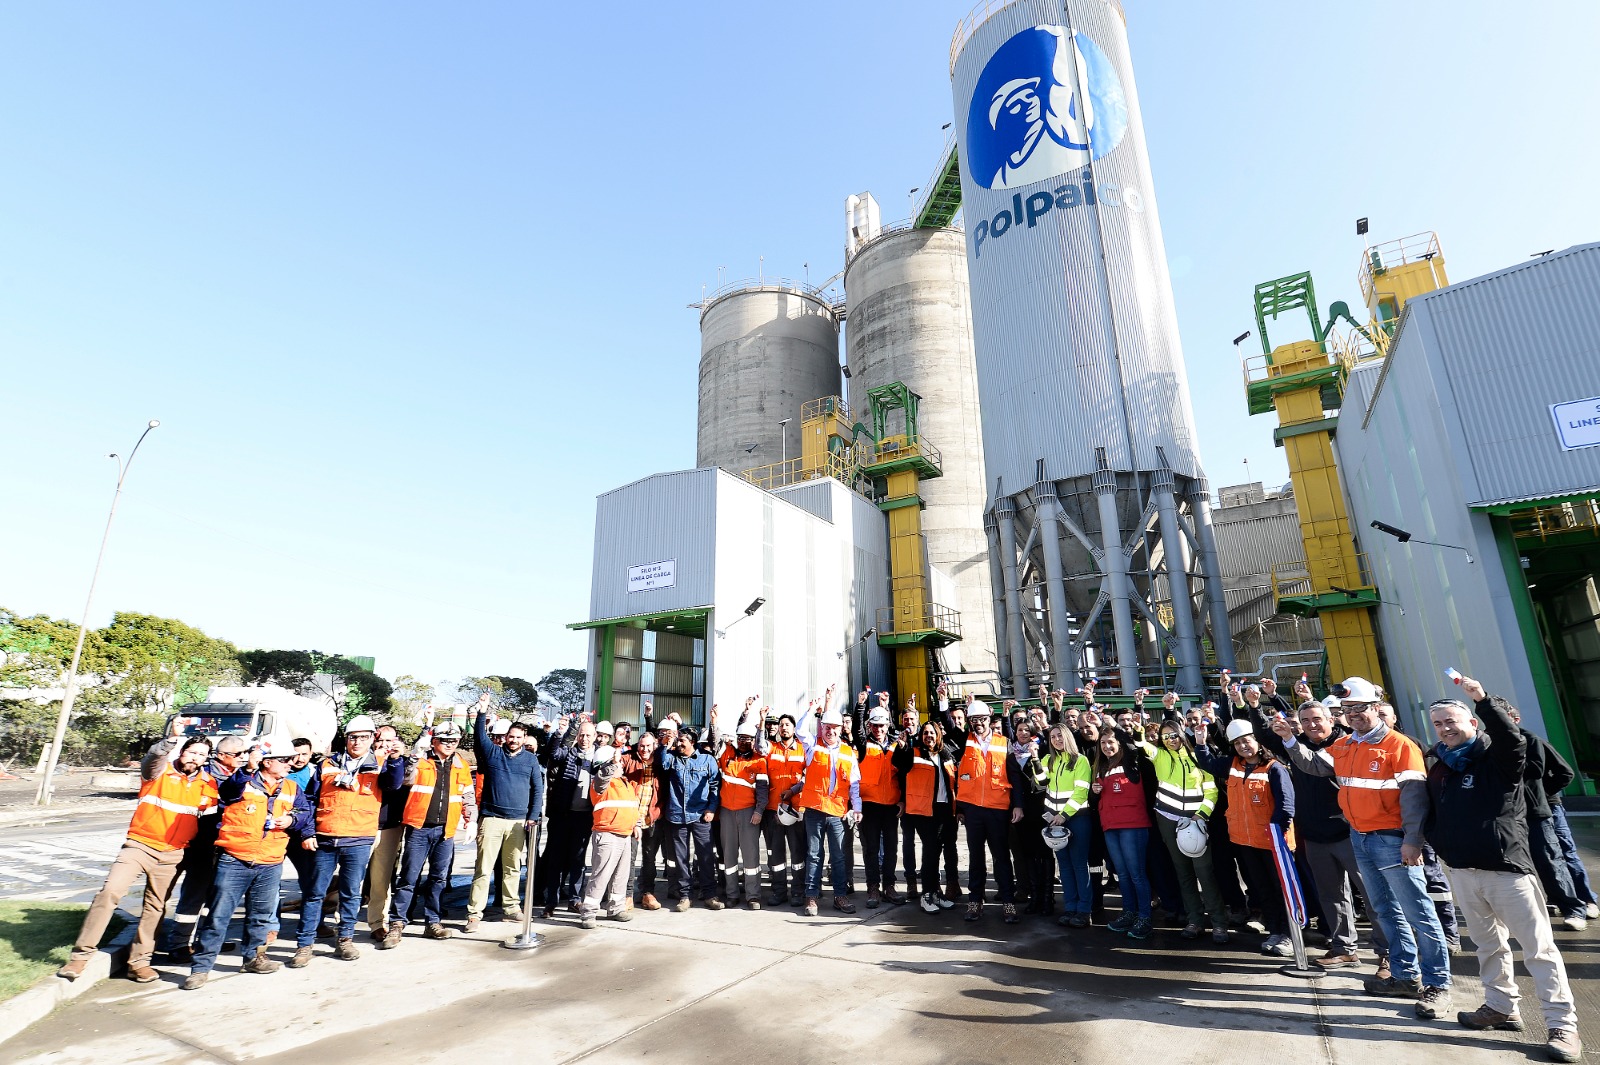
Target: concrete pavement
<point x="890" y="985"/>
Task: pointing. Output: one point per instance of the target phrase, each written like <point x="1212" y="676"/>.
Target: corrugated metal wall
<point x="652" y="520"/>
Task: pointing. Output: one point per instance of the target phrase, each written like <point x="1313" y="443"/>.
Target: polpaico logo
<point x="1048" y="101"/>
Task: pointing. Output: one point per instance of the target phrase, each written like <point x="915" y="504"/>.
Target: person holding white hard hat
<point x="742" y="801"/>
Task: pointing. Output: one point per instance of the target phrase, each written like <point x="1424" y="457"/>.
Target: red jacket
<point x="1122" y="801"/>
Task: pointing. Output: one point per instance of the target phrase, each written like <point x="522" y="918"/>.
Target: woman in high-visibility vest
<point x="1185" y="792"/>
<point x="1065" y="773"/>
<point x="927" y="771"/>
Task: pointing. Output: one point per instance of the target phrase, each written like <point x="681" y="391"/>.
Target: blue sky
<point x="406" y="283"/>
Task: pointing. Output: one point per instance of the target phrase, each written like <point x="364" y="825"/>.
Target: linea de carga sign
<point x="1577" y="423"/>
<point x="662" y="574"/>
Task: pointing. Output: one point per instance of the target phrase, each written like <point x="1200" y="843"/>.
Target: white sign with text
<point x="653" y="575"/>
<point x="1577" y="423"/>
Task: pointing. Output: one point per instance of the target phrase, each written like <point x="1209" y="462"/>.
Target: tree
<point x="351" y="689"/>
<point x="568" y="687"/>
<point x="410" y="697"/>
<point x="150" y="663"/>
<point x="517" y="695"/>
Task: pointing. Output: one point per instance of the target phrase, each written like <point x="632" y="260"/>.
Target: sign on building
<point x="1577" y="423"/>
<point x="653" y="575"/>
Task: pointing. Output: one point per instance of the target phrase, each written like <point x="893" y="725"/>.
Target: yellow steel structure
<point x="827" y="449"/>
<point x="1302" y="381"/>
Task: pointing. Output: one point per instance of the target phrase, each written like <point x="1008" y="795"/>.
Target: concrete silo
<point x="1098" y="509"/>
<point x="910" y="320"/>
<point x="765" y="349"/>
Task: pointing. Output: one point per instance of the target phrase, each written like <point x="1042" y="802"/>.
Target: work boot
<point x="843" y="905"/>
<point x="261" y="964"/>
<point x="649" y="902"/>
<point x="683" y="904"/>
<point x="1389" y="987"/>
<point x="1334" y="959"/>
<point x="752" y="904"/>
<point x="512" y="917"/>
<point x="194" y="981"/>
<point x="1483" y="1019"/>
<point x="952" y="890"/>
<point x="391" y="938"/>
<point x="872" y="898"/>
<point x="1219" y="934"/>
<point x="714" y="903"/>
<point x="1431" y="1001"/>
<point x="142" y="974"/>
<point x="436" y="931"/>
<point x="811" y="907"/>
<point x="586" y="921"/>
<point x="347" y="950"/>
<point x="1564" y="1045"/>
<point x="621" y="915"/>
<point x="471" y="925"/>
<point x="1009" y="913"/>
<point x="74" y="968"/>
<point x="301" y="959"/>
<point x="892" y="899"/>
<point x="377" y="932"/>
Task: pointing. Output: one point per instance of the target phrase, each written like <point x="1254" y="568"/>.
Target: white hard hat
<point x="501" y="727"/>
<point x="1192" y="838"/>
<point x="1332" y="702"/>
<point x="602" y="755"/>
<point x="360" y="723"/>
<point x="1239" y="729"/>
<point x="607" y="727"/>
<point x="1358" y="690"/>
<point x="748" y="727"/>
<point x="276" y="745"/>
<point x="978" y="708"/>
<point x="833" y="717"/>
<point x="1056" y="836"/>
<point x="787" y="814"/>
<point x="879" y="716"/>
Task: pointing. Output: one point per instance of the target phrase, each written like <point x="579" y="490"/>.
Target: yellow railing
<point x="1577" y="516"/>
<point x="841" y="466"/>
<point x="823" y="407"/>
<point x="900" y="446"/>
<point x="1416" y="248"/>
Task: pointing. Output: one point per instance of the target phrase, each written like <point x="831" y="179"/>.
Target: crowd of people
<point x="1257" y="811"/>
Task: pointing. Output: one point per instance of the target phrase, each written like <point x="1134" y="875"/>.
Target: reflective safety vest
<point x="879" y="783"/>
<point x="348" y="811"/>
<point x="981" y="778"/>
<point x="1065" y="782"/>
<point x="617" y="809"/>
<point x="170" y="808"/>
<point x="785" y="765"/>
<point x="922" y="784"/>
<point x="1183" y="789"/>
<point x="1370" y="775"/>
<point x="816" y="794"/>
<point x="421" y="796"/>
<point x="1251" y="806"/>
<point x="244" y="832"/>
<point x="740" y="775"/>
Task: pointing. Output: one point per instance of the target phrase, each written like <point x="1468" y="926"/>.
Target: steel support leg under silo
<point x="997" y="580"/>
<point x="1114" y="564"/>
<point x="1006" y="517"/>
<point x="1049" y="528"/>
<point x="1199" y="498"/>
<point x="1187" y="644"/>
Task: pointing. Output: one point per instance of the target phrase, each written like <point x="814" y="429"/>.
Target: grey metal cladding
<point x="667" y="516"/>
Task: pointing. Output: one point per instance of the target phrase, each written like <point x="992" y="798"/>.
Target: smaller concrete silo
<point x="766" y="348"/>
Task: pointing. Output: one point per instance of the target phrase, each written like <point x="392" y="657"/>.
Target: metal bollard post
<point x="529" y="939"/>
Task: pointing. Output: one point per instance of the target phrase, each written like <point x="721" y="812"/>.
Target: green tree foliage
<point x="517" y="695"/>
<point x="355" y="690"/>
<point x="152" y="664"/>
<point x="409" y="698"/>
<point x="567" y="687"/>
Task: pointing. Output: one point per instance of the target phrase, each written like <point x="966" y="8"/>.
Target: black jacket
<point x="1317" y="816"/>
<point x="1477" y="815"/>
<point x="1545" y="777"/>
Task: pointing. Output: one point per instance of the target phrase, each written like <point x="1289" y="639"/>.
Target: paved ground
<point x="891" y="985"/>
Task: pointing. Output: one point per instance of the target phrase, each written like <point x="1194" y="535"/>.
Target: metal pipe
<point x="1048" y="526"/>
<point x="1002" y="650"/>
<point x="1114" y="564"/>
<point x="1187" y="643"/>
<point x="1006" y="517"/>
<point x="1211" y="567"/>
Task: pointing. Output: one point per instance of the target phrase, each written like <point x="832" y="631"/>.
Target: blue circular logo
<point x="1047" y="102"/>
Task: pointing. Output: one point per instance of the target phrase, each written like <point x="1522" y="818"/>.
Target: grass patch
<point x="36" y="940"/>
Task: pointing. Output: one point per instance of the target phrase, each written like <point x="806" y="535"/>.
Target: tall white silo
<point x="766" y="348"/>
<point x="910" y="320"/>
<point x="1088" y="433"/>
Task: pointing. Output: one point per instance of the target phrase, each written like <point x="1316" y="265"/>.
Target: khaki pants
<point x="380" y="874"/>
<point x="505" y="841"/>
<point x="1498" y="906"/>
<point x="159" y="869"/>
<point x="608" y="874"/>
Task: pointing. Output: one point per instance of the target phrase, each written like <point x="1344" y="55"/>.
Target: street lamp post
<point x="783" y="454"/>
<point x="47" y="780"/>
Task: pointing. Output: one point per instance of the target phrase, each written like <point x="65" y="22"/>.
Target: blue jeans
<point x="257" y="885"/>
<point x="1398" y="895"/>
<point x="1072" y="862"/>
<point x="1569" y="854"/>
<point x="423" y="846"/>
<point x="351" y="861"/>
<point x="1127" y="847"/>
<point x="820" y="826"/>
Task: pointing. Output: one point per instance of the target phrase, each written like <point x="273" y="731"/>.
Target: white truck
<point x="253" y="712"/>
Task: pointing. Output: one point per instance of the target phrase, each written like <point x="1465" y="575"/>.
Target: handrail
<point x="1395" y="253"/>
<point x="932" y="617"/>
<point x="898" y="446"/>
<point x="764" y="284"/>
<point x="889" y="229"/>
<point x="1319" y="576"/>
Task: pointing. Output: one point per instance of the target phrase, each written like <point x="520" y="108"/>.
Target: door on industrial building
<point x="666" y="668"/>
<point x="1572" y="617"/>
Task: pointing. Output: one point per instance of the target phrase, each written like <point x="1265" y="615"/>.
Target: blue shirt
<point x="513" y="785"/>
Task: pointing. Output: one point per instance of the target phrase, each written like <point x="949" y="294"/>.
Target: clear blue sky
<point x="406" y="283"/>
